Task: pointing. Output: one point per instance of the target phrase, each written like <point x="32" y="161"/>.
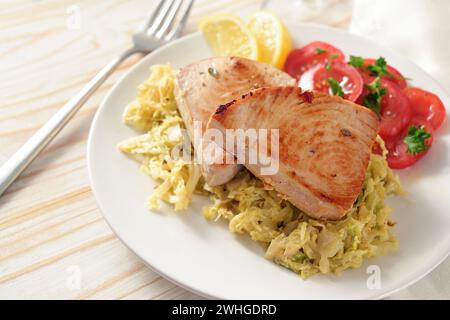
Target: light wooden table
<point x="51" y="232"/>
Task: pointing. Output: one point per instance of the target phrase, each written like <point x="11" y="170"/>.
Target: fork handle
<point x="20" y="160"/>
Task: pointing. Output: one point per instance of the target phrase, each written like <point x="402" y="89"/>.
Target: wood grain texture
<point x="50" y="226"/>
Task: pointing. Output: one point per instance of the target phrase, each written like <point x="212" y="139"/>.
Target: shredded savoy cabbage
<point x="155" y="112"/>
<point x="300" y="243"/>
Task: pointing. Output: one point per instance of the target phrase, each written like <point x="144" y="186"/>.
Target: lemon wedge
<point x="228" y="35"/>
<point x="273" y="38"/>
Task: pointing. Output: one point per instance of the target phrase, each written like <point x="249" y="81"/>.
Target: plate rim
<point x="432" y="266"/>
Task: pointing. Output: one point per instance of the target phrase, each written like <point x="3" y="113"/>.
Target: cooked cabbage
<point x="289" y="236"/>
<point x="302" y="244"/>
<point x="155" y="111"/>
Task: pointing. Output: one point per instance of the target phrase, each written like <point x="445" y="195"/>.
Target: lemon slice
<point x="229" y="36"/>
<point x="273" y="38"/>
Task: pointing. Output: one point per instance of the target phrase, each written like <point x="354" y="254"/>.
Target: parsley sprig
<point x="373" y="99"/>
<point x="356" y="61"/>
<point x="320" y="50"/>
<point x="415" y="139"/>
<point x="329" y="64"/>
<point x="335" y="87"/>
<point x="379" y="68"/>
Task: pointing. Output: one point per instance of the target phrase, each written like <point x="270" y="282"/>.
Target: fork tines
<point x="168" y="18"/>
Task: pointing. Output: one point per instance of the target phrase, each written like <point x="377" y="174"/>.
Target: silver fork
<point x="158" y="29"/>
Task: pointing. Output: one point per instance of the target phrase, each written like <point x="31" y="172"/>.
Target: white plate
<point x="205" y="257"/>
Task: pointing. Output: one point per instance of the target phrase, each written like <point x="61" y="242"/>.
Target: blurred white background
<point x="330" y="12"/>
<point x="418" y="29"/>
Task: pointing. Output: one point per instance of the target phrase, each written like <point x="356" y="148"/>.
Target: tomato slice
<point x="427" y="105"/>
<point x="302" y="59"/>
<point x="396" y="77"/>
<point x="395" y="109"/>
<point x="398" y="156"/>
<point x="348" y="77"/>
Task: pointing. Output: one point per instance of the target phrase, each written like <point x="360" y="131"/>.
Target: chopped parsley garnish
<point x="329" y="64"/>
<point x="415" y="139"/>
<point x="373" y="99"/>
<point x="356" y="61"/>
<point x="213" y="72"/>
<point x="320" y="51"/>
<point x="335" y="87"/>
<point x="379" y="69"/>
<point x="334" y="56"/>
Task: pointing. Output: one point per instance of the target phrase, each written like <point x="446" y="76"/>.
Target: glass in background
<point x="335" y="13"/>
<point x="418" y="29"/>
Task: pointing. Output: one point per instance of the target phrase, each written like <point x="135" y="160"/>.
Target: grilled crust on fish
<point x="202" y="86"/>
<point x="325" y="145"/>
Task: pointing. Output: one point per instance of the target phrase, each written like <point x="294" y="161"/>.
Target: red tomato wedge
<point x="321" y="67"/>
<point x="396" y="77"/>
<point x="395" y="109"/>
<point x="302" y="59"/>
<point x="348" y="78"/>
<point x="398" y="156"/>
<point x="427" y="105"/>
